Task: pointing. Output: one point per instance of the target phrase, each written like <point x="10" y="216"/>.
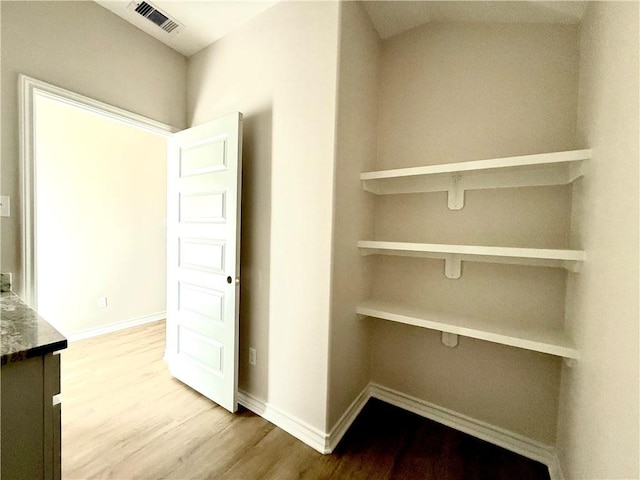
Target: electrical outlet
<point x="5" y="206"/>
<point x="252" y="356"/>
<point x="5" y="282"/>
<point x="102" y="302"/>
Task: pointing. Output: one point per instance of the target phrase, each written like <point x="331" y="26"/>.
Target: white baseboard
<point x="514" y="442"/>
<point x="114" y="327"/>
<point x="304" y="432"/>
<point x="326" y="443"/>
<point x="343" y="424"/>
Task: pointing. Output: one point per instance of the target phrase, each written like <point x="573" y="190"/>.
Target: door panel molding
<point x="204" y="183"/>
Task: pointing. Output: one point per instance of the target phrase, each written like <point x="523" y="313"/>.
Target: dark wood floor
<point x="125" y="418"/>
<point x="390" y="443"/>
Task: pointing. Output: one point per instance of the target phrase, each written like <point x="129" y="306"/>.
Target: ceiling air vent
<point x="156" y="16"/>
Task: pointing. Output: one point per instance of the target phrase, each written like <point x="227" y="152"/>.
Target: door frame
<point x="29" y="90"/>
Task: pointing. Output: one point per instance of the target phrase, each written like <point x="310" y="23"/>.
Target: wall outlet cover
<point x="5" y="282"/>
<point x="5" y="206"/>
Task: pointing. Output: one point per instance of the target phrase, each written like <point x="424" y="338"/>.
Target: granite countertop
<point x="23" y="333"/>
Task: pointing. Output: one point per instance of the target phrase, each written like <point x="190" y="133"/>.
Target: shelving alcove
<point x="557" y="168"/>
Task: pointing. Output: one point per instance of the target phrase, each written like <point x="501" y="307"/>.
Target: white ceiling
<point x="206" y="21"/>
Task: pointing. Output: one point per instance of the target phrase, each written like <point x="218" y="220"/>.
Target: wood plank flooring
<point x="124" y="417"/>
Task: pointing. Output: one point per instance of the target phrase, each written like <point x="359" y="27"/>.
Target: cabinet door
<point x="21" y="420"/>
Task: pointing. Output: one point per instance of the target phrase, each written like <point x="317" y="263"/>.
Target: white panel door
<point x="203" y="254"/>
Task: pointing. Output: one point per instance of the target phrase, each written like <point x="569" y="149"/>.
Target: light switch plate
<point x="5" y="206"/>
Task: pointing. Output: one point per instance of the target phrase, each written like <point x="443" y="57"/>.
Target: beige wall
<point x="598" y="423"/>
<point x="101" y="210"/>
<point x="349" y="350"/>
<point x="84" y="48"/>
<point x="446" y="92"/>
<point x="456" y="92"/>
<point x="280" y="71"/>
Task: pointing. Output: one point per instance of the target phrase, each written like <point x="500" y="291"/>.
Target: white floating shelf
<point x="553" y="342"/>
<point x="557" y="168"/>
<point x="453" y="255"/>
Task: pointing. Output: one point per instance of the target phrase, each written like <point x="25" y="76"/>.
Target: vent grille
<point x="156" y="16"/>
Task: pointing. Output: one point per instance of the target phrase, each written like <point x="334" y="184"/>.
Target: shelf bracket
<point x="572" y="266"/>
<point x="449" y="339"/>
<point x="456" y="194"/>
<point x="452" y="267"/>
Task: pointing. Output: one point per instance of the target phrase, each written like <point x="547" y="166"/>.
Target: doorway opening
<point x="94" y="197"/>
<point x="108" y="223"/>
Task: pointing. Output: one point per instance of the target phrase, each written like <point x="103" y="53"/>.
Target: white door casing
<point x="203" y="257"/>
<point x="30" y="89"/>
<point x="222" y="368"/>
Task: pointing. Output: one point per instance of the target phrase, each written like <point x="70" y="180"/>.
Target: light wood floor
<point x="124" y="417"/>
